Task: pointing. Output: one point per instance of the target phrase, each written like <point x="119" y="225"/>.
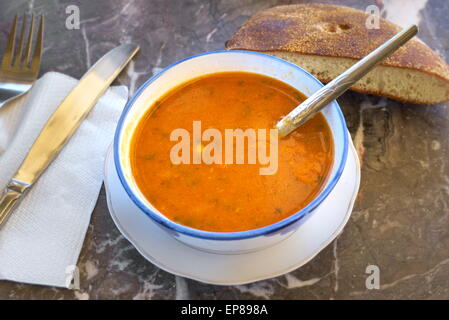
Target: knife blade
<point x="64" y="122"/>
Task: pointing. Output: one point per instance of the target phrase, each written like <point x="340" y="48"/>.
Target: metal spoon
<point x="340" y="84"/>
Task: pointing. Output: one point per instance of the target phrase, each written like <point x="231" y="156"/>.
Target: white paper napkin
<point x="42" y="239"/>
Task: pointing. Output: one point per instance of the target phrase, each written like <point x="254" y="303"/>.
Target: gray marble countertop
<point x="401" y="217"/>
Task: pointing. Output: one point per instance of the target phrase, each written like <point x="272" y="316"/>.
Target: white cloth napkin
<point x="41" y="241"/>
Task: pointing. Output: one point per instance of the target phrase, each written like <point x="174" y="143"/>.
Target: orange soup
<point x="230" y="197"/>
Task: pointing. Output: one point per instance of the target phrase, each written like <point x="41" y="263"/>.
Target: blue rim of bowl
<point x="226" y="235"/>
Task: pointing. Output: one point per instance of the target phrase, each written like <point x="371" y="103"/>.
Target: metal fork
<point x="20" y="67"/>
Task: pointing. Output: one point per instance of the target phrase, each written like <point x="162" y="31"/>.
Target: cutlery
<point x="340" y="84"/>
<point x="63" y="123"/>
<point x="20" y="66"/>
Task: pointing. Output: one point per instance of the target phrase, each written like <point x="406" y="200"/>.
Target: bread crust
<point x="332" y="31"/>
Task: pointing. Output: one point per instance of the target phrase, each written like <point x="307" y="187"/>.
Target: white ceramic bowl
<point x="207" y="63"/>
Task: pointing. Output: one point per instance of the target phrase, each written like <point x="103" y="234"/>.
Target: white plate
<point x="161" y="249"/>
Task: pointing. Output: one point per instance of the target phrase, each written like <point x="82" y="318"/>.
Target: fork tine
<point x="9" y="51"/>
<point x="18" y="56"/>
<point x="26" y="60"/>
<point x="36" y="60"/>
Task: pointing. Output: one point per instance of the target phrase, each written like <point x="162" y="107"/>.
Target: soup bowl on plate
<point x="152" y="91"/>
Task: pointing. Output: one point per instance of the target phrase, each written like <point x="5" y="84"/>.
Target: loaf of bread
<point x="327" y="39"/>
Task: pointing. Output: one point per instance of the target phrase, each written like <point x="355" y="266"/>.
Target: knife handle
<point x="14" y="190"/>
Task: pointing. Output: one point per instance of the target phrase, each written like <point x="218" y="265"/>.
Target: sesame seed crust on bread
<point x="327" y="39"/>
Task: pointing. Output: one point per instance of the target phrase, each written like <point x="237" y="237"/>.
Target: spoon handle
<point x="340" y="84"/>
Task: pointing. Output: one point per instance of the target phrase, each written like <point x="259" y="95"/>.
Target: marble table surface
<point x="400" y="221"/>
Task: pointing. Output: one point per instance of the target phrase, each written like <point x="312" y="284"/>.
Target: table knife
<point x="63" y="123"/>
